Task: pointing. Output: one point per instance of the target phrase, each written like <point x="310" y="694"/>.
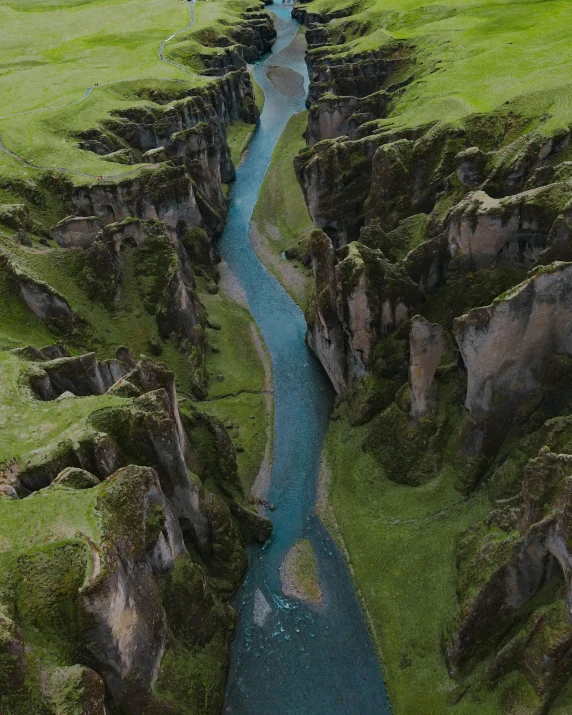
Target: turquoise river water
<point x="289" y="657"/>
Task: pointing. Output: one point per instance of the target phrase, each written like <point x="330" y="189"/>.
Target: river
<point x="289" y="657"/>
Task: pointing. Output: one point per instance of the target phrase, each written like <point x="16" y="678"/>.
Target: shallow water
<point x="289" y="657"/>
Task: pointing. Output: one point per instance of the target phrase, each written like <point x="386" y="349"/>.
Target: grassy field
<point x="401" y="541"/>
<point x="53" y="50"/>
<point x="280" y="215"/>
<point x="470" y="56"/>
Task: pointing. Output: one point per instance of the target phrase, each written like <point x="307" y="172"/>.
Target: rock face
<point x="359" y="298"/>
<point x="137" y="604"/>
<point x="486" y="231"/>
<point x="81" y="375"/>
<point x="506" y="561"/>
<point x="503" y="346"/>
<point x="76" y="231"/>
<point x="43" y="301"/>
<point x="427" y="345"/>
<point x="190" y="132"/>
<point x="253" y="37"/>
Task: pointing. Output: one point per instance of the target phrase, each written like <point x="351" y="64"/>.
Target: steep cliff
<point x="124" y="509"/>
<point x="130" y="567"/>
<point x="441" y="315"/>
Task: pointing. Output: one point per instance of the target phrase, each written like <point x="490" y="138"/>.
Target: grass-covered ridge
<point x="281" y="221"/>
<point x="53" y="52"/>
<point x="466" y="57"/>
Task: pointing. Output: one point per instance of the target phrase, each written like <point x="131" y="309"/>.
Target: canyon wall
<point x="441" y="314"/>
<point x="123" y="518"/>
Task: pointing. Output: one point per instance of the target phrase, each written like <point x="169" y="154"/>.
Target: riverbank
<point x="280" y="222"/>
<point x="277" y="633"/>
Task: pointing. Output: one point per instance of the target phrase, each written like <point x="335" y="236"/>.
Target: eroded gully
<point x="290" y="657"/>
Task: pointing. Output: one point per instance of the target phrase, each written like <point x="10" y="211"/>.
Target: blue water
<point x="292" y="657"/>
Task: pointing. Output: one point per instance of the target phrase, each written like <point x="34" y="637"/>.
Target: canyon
<point x="286" y="348"/>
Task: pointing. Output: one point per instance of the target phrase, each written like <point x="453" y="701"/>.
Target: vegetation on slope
<point x="464" y="57"/>
<point x="131" y="286"/>
<point x="438" y="172"/>
<point x="54" y="51"/>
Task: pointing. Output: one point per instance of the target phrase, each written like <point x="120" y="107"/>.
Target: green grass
<point x="280" y="214"/>
<point x="47" y="516"/>
<point x="401" y="543"/>
<point x="247" y="415"/>
<point x="240" y="395"/>
<point x="52" y="51"/>
<point x="470" y="56"/>
<point x="36" y="427"/>
<point x="30" y="428"/>
<point x="238" y="136"/>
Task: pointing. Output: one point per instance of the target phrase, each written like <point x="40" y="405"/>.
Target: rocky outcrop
<point x="325" y="335"/>
<point x="76" y="231"/>
<point x="253" y="37"/>
<point x="190" y="132"/>
<point x="503" y="345"/>
<point x="165" y="194"/>
<point x="356" y="75"/>
<point x="503" y="564"/>
<point x="135" y="602"/>
<point x="43" y="301"/>
<point x="334" y="176"/>
<point x="471" y="166"/>
<point x="81" y="375"/>
<point x="333" y="116"/>
<point x="383" y="177"/>
<point x="359" y="298"/>
<point x="483" y="231"/>
<point x="427" y="345"/>
<point x="119" y="618"/>
<point x="126" y="629"/>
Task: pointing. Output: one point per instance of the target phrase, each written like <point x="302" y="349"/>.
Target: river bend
<point x="289" y="657"/>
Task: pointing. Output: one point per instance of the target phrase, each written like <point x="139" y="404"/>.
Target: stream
<point x="290" y="657"/>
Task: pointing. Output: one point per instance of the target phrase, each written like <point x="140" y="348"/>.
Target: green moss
<point x="463" y="292"/>
<point x="41" y="584"/>
<point x="395" y="245"/>
<point x="194" y="680"/>
<point x="154" y="524"/>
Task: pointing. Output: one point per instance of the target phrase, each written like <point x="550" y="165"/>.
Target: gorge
<point x="285" y="348"/>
